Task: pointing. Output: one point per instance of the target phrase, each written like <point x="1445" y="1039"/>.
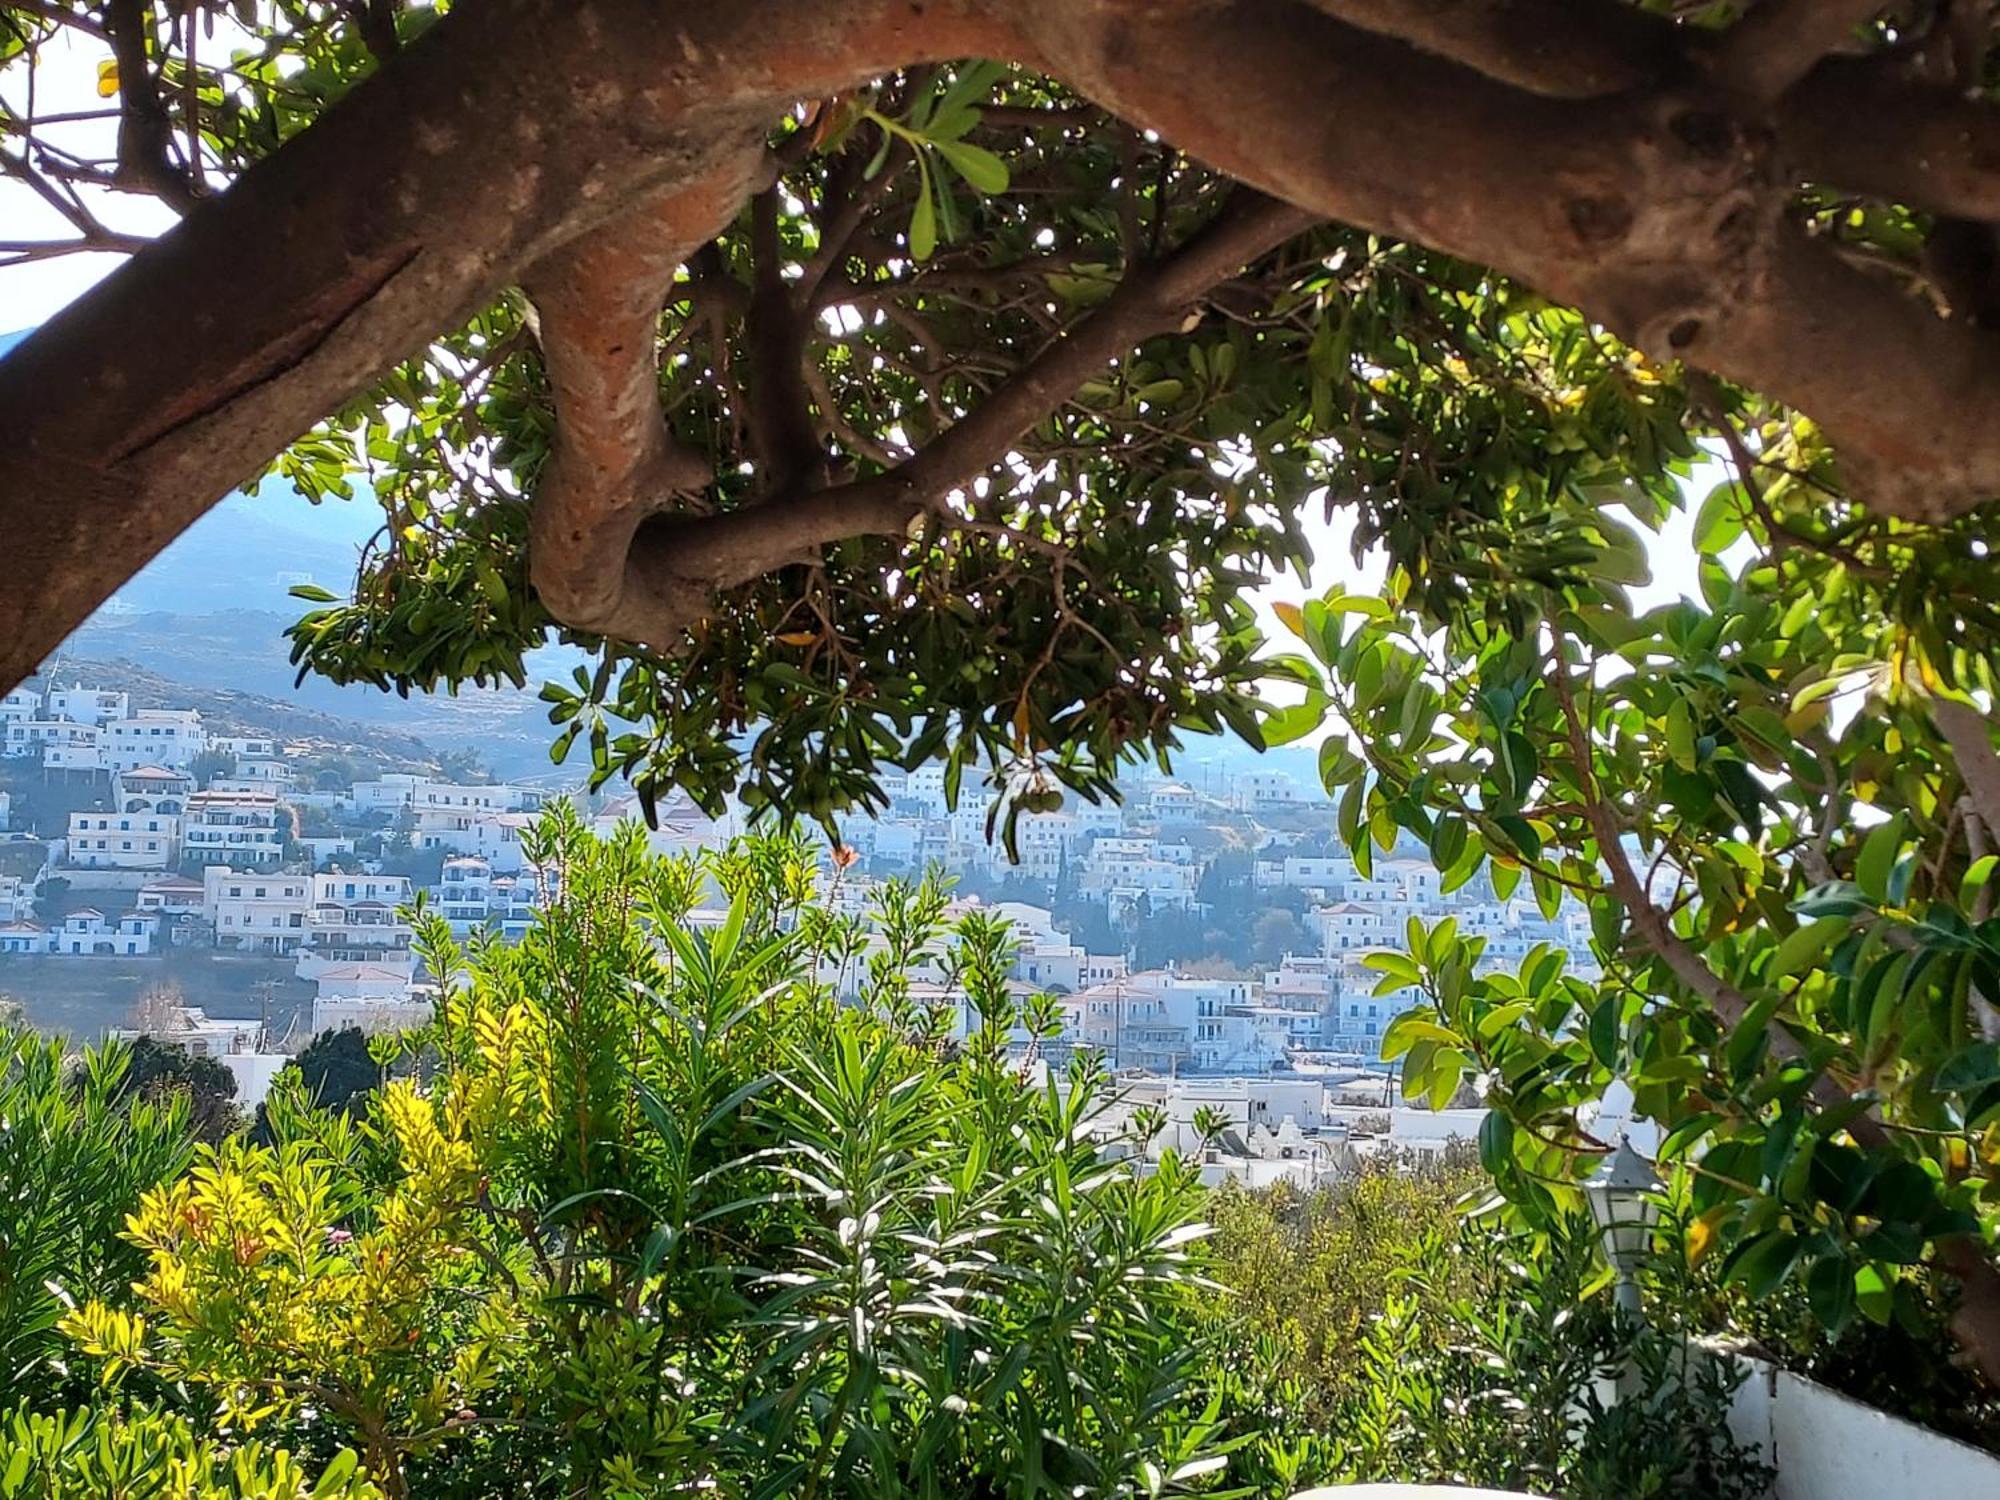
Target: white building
<point x="17" y="899"/>
<point x="88" y="931"/>
<point x="18" y="705"/>
<point x="122" y="840"/>
<point x="152" y="789"/>
<point x="356" y="919"/>
<point x="86" y="705"/>
<point x="74" y="745"/>
<point x="6" y="810"/>
<point x="191" y="1027"/>
<point x="170" y="737"/>
<point x="370" y="997"/>
<point x="235" y="829"/>
<point x="244" y="747"/>
<point x="20" y="937"/>
<point x="1251" y="790"/>
<point x="172" y="896"/>
<point x="257" y="774"/>
<point x="256" y="911"/>
<point x="493" y="837"/>
<point x="1355" y="927"/>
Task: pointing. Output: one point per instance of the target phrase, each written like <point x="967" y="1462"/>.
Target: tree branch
<point x="469" y="157"/>
<point x="1780" y="41"/>
<point x="613" y="461"/>
<point x="145" y="156"/>
<point x="676" y="564"/>
<point x="1665" y="219"/>
<point x="788" y="451"/>
<point x="1864" y="125"/>
<point x="1966" y="730"/>
<point x="1563" y="49"/>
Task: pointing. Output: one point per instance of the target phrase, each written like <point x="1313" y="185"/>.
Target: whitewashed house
<point x="169" y="737"/>
<point x="236" y="829"/>
<point x="122" y="840"/>
<point x="87" y="931"/>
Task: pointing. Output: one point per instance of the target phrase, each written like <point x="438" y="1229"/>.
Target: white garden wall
<point x="1826" y="1446"/>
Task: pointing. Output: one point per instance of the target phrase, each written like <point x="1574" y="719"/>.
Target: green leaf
<point x="1720" y="519"/>
<point x="1496" y="1142"/>
<point x="1802" y="947"/>
<point x="1969" y="1069"/>
<point x="923" y="219"/>
<point x="1762" y="1264"/>
<point x="1830" y="1290"/>
<point x="976" y="165"/>
<point x="1875" y="1294"/>
<point x="1606" y="1027"/>
<point x="1448" y="838"/>
<point x="1977" y="879"/>
<point x="1680" y="735"/>
<point x="1296" y="721"/>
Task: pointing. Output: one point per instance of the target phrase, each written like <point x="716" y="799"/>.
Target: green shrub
<point x="653" y="1211"/>
<point x="74" y="1158"/>
<point x="90" y="1454"/>
<point x="1392" y="1338"/>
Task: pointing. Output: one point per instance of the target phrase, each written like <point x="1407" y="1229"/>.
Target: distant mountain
<point x="245" y="650"/>
<point x="230" y="709"/>
<point x="246" y="554"/>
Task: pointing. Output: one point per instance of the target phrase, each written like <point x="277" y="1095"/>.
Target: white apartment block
<point x="399" y="790"/>
<point x="86" y="705"/>
<point x="257" y="774"/>
<point x="369" y="997"/>
<point x="59" y="744"/>
<point x="88" y="931"/>
<point x="122" y="840"/>
<point x="169" y="737"/>
<point x="17" y="705"/>
<point x="256" y="912"/>
<point x="355" y="919"/>
<point x="1250" y="790"/>
<point x="171" y="896"/>
<point x="246" y="747"/>
<point x="235" y="828"/>
<point x="1355" y="927"/>
<point x="493" y="837"/>
<point x="152" y="789"/>
<point x="17" y="899"/>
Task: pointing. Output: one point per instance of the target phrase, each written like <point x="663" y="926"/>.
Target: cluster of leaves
<point x="659" y="1212"/>
<point x="1458" y="1350"/>
<point x="1767" y="807"/>
<point x="75" y="1155"/>
<point x="1081" y="605"/>
<point x="644" y="1207"/>
<point x="94" y="1454"/>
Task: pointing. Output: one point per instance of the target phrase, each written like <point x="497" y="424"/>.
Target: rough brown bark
<point x="516" y="127"/>
<point x="509" y="130"/>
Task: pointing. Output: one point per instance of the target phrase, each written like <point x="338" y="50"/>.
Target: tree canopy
<point x="856" y="402"/>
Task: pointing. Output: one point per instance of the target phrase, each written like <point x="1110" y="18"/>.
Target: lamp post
<point x="1622" y="1207"/>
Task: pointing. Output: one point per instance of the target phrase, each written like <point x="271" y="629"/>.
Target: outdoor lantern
<point x="1621" y="1203"/>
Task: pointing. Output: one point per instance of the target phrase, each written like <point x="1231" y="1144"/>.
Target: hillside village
<point x="1210" y="944"/>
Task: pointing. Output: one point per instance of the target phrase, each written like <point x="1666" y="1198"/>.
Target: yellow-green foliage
<point x="652" y="1213"/>
<point x="142" y="1455"/>
<point x="1312" y="1269"/>
<point x="257" y="1287"/>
